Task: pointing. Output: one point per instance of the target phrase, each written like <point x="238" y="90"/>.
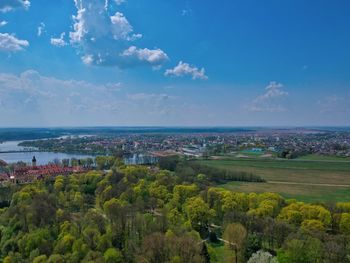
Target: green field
<point x="325" y="158"/>
<point x="312" y="180"/>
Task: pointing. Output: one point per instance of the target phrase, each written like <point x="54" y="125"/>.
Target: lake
<point x="41" y="157"/>
<point x="12" y="146"/>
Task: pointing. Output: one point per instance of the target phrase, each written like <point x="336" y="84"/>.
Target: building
<point x="27" y="174"/>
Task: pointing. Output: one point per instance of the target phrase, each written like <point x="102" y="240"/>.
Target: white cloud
<point x="148" y="56"/>
<point x="87" y="59"/>
<point x="3" y="23"/>
<point x="104" y="40"/>
<point x="10" y="43"/>
<point x="79" y="31"/>
<point x="9" y="5"/>
<point x="41" y="29"/>
<point x="185" y="69"/>
<point x="47" y="94"/>
<point x="33" y="99"/>
<point x="59" y="42"/>
<point x="271" y="101"/>
<point x="122" y="28"/>
<point x="119" y="2"/>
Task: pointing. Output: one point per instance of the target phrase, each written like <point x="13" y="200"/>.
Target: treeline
<point x="292" y="154"/>
<point x="191" y="169"/>
<point x="140" y="214"/>
<point x="69" y="145"/>
<point x="16" y="134"/>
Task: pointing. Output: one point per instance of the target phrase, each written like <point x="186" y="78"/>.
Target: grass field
<point x="325" y="158"/>
<point x="312" y="180"/>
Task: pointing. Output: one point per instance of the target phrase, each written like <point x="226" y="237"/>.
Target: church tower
<point x="34" y="161"/>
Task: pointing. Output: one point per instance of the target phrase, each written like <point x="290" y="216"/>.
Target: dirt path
<point x="312" y="184"/>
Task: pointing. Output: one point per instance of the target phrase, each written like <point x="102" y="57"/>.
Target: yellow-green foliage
<point x="59" y="183"/>
<point x="266" y="204"/>
<point x="183" y="192"/>
<point x="295" y="213"/>
<point x="237" y="201"/>
<point x="122" y="217"/>
<point x="312" y="225"/>
<point x="344" y="224"/>
<point x="343" y="207"/>
<point x="198" y="211"/>
<point x="159" y="191"/>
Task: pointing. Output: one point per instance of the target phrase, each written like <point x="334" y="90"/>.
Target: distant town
<point x="282" y="143"/>
<point x="147" y="148"/>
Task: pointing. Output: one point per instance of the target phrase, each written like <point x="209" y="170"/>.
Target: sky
<point x="174" y="63"/>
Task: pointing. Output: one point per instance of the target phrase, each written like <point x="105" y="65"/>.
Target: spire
<point x="34" y="161"/>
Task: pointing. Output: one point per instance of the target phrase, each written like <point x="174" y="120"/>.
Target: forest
<point x="150" y="214"/>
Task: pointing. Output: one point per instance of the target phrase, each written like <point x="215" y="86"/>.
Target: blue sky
<point x="174" y="63"/>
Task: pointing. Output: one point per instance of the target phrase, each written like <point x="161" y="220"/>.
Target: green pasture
<point x="311" y="180"/>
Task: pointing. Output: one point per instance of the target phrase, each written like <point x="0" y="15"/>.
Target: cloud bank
<point x="33" y="99"/>
<point x="9" y="43"/>
<point x="107" y="40"/>
<point x="9" y="5"/>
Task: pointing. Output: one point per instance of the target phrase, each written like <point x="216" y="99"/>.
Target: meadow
<point x="310" y="179"/>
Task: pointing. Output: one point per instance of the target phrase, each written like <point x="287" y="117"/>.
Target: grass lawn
<point x="308" y="180"/>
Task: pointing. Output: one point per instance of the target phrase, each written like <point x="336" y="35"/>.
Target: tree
<point x="295" y="213"/>
<point x="183" y="192"/>
<point x="113" y="255"/>
<point x="155" y="249"/>
<point x="205" y="253"/>
<point x="312" y="226"/>
<point x="343" y="207"/>
<point x="114" y="209"/>
<point x="198" y="212"/>
<point x="308" y="250"/>
<point x="168" y="163"/>
<point x="55" y="258"/>
<point x="235" y="236"/>
<point x="64" y="244"/>
<point x="39" y="239"/>
<point x="94" y="257"/>
<point x="59" y="183"/>
<point x="262" y="257"/>
<point x="91" y="236"/>
<point x="104" y="162"/>
<point x="253" y="244"/>
<point x="344" y="223"/>
<point x="40" y="259"/>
